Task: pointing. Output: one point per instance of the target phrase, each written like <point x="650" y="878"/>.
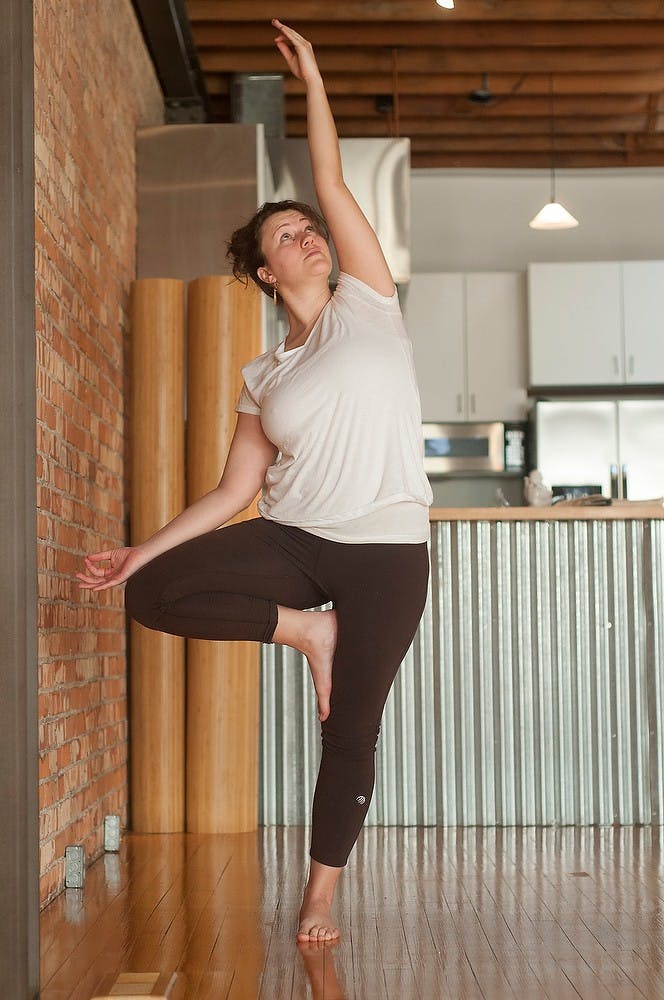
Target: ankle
<point x="322" y="882"/>
<point x="313" y="892"/>
<point x="293" y="629"/>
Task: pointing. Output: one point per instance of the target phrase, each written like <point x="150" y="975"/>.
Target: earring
<point x="274" y="293"/>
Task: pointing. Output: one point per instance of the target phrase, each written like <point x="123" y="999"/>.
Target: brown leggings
<point x="227" y="584"/>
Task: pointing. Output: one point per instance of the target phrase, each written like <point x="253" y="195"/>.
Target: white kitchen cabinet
<point x="643" y="302"/>
<point x="434" y="317"/>
<point x="496" y="345"/>
<point x="469" y="343"/>
<point x="575" y="327"/>
<point x="596" y="323"/>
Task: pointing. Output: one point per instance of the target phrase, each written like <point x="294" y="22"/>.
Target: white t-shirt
<point x="344" y="411"/>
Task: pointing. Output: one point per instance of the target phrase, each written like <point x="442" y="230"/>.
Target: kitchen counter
<point x="617" y="511"/>
<point x="533" y="692"/>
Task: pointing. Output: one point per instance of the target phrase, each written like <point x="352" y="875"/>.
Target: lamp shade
<point x="553" y="216"/>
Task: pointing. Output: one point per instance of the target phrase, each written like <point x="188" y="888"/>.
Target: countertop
<point x="617" y="511"/>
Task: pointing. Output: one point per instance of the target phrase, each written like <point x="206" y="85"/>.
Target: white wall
<point x="478" y="220"/>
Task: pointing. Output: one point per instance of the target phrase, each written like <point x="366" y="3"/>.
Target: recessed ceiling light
<point x="448" y="4"/>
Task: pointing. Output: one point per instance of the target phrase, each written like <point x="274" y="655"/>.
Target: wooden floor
<point x="426" y="913"/>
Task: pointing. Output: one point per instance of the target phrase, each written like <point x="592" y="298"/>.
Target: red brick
<point x="85" y="236"/>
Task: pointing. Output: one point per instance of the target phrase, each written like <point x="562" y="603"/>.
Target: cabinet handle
<point x="614" y="482"/>
<point x="624" y="482"/>
<point x="630" y="365"/>
<point x="616" y="370"/>
<point x="459" y="403"/>
<point x="472" y="402"/>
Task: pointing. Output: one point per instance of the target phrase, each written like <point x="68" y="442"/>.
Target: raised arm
<point x="358" y="250"/>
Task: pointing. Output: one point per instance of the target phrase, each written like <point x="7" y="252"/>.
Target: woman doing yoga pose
<point x="329" y="427"/>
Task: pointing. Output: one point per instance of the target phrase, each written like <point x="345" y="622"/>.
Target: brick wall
<point x="94" y="84"/>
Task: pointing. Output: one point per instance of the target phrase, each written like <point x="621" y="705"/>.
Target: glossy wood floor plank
<point x="425" y="913"/>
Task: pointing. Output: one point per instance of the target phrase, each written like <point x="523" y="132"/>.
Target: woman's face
<point x="293" y="249"/>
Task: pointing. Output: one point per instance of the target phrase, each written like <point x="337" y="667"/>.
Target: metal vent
<point x="258" y="98"/>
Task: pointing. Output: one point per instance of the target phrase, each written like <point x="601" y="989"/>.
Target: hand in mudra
<point x="121" y="564"/>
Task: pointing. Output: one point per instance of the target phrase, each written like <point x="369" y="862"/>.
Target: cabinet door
<point x="434" y="319"/>
<point x="575" y="323"/>
<point x="643" y="299"/>
<point x="496" y="346"/>
<point x="641" y="424"/>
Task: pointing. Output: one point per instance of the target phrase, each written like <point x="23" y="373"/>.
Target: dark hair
<point x="244" y="246"/>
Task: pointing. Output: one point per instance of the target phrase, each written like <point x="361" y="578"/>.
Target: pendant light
<point x="553" y="215"/>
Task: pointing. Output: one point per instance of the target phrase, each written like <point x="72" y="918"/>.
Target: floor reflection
<point x="478" y="914"/>
<point x="318" y="960"/>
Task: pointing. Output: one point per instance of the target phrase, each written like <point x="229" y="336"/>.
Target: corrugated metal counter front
<point x="533" y="692"/>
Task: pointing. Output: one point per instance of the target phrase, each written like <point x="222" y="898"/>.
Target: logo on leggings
<point x="360" y="799"/>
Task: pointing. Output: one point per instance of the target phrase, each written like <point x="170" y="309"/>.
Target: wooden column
<point x="224" y="331"/>
<point x="157" y="495"/>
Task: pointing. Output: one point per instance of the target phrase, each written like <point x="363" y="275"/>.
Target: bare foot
<point x="316" y="923"/>
<point x="322" y="642"/>
<point x="313" y="633"/>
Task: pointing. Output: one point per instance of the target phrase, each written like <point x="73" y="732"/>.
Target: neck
<point x="303" y="309"/>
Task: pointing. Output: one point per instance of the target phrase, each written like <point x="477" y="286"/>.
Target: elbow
<point x="236" y="499"/>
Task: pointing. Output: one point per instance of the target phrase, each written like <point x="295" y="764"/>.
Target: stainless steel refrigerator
<point x="616" y="445"/>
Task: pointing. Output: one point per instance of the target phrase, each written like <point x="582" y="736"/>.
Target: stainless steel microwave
<point x="463" y="447"/>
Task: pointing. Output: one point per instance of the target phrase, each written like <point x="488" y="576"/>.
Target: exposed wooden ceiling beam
<point x="424" y="10"/>
<point x="460" y="84"/>
<point x="500" y="83"/>
<point x="427" y="60"/>
<point x="422" y="106"/>
<point x="438" y="33"/>
<point x="513" y="127"/>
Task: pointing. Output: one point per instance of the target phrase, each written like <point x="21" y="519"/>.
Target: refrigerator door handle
<point x="624" y="482"/>
<point x="614" y="482"/>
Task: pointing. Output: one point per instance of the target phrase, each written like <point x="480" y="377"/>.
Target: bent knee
<point x="141" y="601"/>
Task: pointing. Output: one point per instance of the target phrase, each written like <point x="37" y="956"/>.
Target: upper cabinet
<point x="597" y="323"/>
<point x="469" y="344"/>
<point x="643" y="303"/>
<point x="434" y="318"/>
<point x="496" y="343"/>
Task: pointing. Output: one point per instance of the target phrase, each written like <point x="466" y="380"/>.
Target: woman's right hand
<point x="121" y="564"/>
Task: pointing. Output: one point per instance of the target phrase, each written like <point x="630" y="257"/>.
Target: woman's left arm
<point x="358" y="250"/>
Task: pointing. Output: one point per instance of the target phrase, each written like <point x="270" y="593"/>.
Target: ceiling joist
<point x="518" y="59"/>
<point x="455" y="34"/>
<point x="302" y="11"/>
<point x="604" y="60"/>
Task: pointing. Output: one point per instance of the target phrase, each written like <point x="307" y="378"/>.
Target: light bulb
<point x="447" y="4"/>
<point x="553" y="216"/>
